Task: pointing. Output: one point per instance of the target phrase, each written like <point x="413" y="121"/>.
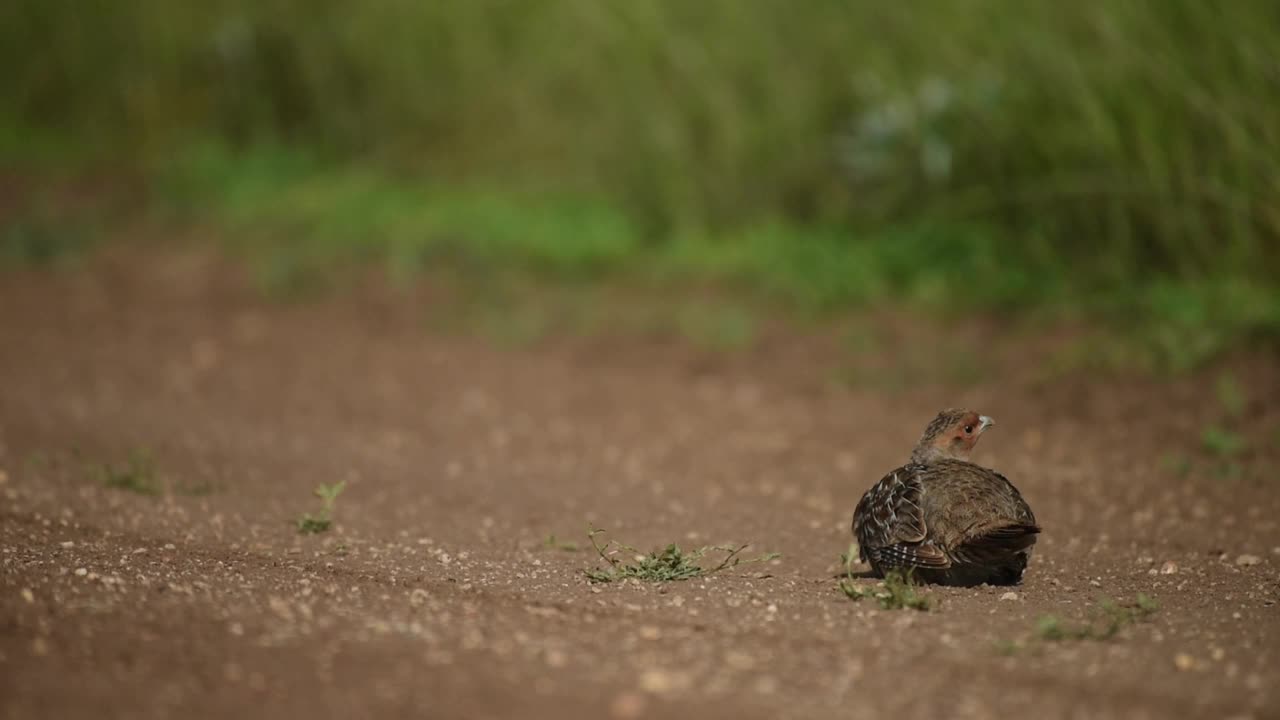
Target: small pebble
<point x="1246" y="559"/>
<point x="738" y="660"/>
<point x="27" y="595"/>
<point x="1183" y="661"/>
<point x="81" y="572"/>
<point x="1009" y="596"/>
<point x="1096" y="583"/>
<point x="766" y="685"/>
<point x="68" y="544"/>
<point x="627" y="705"/>
<point x="656" y="681"/>
<point x="1169" y="568"/>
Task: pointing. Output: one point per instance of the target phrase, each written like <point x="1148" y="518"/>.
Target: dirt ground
<point x="436" y="593"/>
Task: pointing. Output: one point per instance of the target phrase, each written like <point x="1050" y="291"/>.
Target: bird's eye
<point x="968" y="429"/>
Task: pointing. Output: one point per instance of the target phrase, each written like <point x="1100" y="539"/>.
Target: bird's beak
<point x="985" y="422"/>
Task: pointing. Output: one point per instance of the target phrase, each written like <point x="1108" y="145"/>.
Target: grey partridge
<point x="943" y="519"/>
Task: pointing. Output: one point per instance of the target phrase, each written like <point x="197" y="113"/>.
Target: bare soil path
<point x="436" y="593"/>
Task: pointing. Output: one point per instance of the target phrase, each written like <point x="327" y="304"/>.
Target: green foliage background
<point x="1118" y="158"/>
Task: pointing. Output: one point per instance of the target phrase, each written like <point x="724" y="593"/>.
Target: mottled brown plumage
<point x="943" y="518"/>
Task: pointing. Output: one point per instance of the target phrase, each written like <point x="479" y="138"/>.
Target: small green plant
<point x="201" y="488"/>
<point x="1007" y="647"/>
<point x="1222" y="442"/>
<point x="1051" y="628"/>
<point x="1229" y="470"/>
<point x="666" y="565"/>
<point x="1118" y="615"/>
<point x="895" y="592"/>
<point x="848" y="558"/>
<point x="310" y="524"/>
<point x="555" y="543"/>
<point x="38" y="461"/>
<point x="1179" y="465"/>
<point x="137" y="475"/>
<point x="1110" y="618"/>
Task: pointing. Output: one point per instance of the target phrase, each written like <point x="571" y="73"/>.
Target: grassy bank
<point x="297" y="219"/>
<point x="1114" y="160"/>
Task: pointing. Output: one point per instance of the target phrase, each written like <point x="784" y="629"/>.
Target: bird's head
<point x="951" y="436"/>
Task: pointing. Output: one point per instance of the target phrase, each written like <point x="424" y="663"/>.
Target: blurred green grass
<point x="1107" y="160"/>
<point x="297" y="219"/>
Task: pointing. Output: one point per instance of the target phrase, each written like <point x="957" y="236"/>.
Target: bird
<point x="943" y="519"/>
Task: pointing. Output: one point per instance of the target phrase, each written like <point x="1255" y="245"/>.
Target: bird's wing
<point x="996" y="543"/>
<point x="890" y="524"/>
<point x="1018" y="506"/>
<point x="979" y="515"/>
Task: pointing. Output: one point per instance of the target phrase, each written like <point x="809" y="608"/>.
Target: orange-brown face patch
<point x="946" y="433"/>
<point x="964" y="433"/>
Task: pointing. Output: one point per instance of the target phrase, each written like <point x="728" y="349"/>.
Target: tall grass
<point x="1063" y="149"/>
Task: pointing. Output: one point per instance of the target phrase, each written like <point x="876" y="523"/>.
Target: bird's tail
<point x="997" y="543"/>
